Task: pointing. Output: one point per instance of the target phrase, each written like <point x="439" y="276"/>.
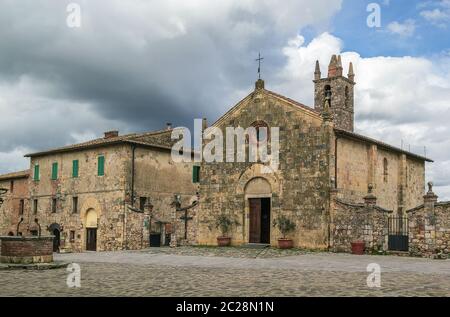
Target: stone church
<point x="115" y="192"/>
<point x="319" y="154"/>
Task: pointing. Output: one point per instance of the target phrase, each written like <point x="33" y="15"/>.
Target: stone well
<point x="26" y="250"/>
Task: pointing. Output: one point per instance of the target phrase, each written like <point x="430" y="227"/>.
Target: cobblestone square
<point x="194" y="271"/>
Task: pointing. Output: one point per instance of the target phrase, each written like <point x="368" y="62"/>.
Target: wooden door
<point x="255" y="221"/>
<point x="91" y="239"/>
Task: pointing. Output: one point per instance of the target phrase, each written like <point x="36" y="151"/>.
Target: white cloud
<point x="397" y="98"/>
<point x="405" y="29"/>
<point x="437" y="13"/>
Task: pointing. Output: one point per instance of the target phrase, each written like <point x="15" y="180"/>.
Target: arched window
<point x="385" y="170"/>
<point x="262" y="131"/>
<point x="327" y="93"/>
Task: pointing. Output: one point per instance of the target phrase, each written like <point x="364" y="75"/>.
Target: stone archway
<point x="258" y="186"/>
<point x="90" y="216"/>
<point x="91" y="229"/>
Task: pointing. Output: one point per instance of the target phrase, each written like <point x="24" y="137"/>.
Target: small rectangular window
<point x="55" y="171"/>
<point x="21" y="207"/>
<point x="74" y="205"/>
<point x="142" y="201"/>
<point x="35" y="206"/>
<point x="75" y="168"/>
<point x="36" y="173"/>
<point x="11" y="187"/>
<point x="53" y="205"/>
<point x="196" y="174"/>
<point x="101" y="165"/>
<point x="72" y="236"/>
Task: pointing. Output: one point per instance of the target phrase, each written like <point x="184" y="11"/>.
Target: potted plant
<point x="286" y="226"/>
<point x="358" y="247"/>
<point x="224" y="223"/>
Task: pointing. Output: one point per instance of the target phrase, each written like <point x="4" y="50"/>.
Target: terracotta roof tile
<point x="15" y="175"/>
<point x="138" y="138"/>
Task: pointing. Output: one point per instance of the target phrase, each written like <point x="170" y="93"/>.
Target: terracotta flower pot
<point x="358" y="247"/>
<point x="285" y="243"/>
<point x="223" y="241"/>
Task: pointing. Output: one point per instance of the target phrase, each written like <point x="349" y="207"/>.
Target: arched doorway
<point x="258" y="192"/>
<point x="91" y="230"/>
<point x="55" y="230"/>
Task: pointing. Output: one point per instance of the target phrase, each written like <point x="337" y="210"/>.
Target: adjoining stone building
<point x="319" y="153"/>
<point x="82" y="193"/>
<point x="15" y="202"/>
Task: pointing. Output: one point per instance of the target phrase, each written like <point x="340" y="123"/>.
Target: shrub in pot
<point x="224" y="223"/>
<point x="286" y="226"/>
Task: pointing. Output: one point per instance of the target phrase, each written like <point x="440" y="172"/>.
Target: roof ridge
<point x="297" y="103"/>
<point x="381" y="143"/>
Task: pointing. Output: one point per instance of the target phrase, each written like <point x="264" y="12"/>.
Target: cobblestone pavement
<point x="201" y="272"/>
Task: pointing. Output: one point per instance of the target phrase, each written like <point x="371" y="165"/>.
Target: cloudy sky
<point x="135" y="65"/>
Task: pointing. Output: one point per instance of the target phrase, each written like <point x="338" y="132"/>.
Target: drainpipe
<point x="336" y="162"/>
<point x="133" y="156"/>
<point x="18" y="225"/>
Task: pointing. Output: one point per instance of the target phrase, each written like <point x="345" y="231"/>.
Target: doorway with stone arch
<point x="258" y="195"/>
<point x="91" y="230"/>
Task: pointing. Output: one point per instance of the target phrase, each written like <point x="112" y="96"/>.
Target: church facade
<point x="319" y="155"/>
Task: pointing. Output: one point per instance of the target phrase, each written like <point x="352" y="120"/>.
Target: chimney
<point x="169" y="126"/>
<point x="204" y="124"/>
<point x="111" y="134"/>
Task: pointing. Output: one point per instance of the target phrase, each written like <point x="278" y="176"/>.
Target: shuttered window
<point x="101" y="165"/>
<point x="54" y="171"/>
<point x="75" y="168"/>
<point x="36" y="173"/>
<point x="196" y="174"/>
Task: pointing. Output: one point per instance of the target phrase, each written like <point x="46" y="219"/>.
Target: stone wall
<point x="359" y="164"/>
<point x="10" y="210"/>
<point x="26" y="250"/>
<point x="429" y="228"/>
<point x="350" y="222"/>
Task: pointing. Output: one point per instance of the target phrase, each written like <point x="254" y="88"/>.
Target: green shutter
<point x="196" y="174"/>
<point x="54" y="171"/>
<point x="75" y="168"/>
<point x="101" y="165"/>
<point x="36" y="172"/>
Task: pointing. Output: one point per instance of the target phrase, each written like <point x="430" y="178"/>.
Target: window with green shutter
<point x="36" y="172"/>
<point x="54" y="171"/>
<point x="101" y="165"/>
<point x="196" y="174"/>
<point x="75" y="168"/>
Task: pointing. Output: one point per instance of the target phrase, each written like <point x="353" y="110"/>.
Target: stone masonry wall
<point x="352" y="222"/>
<point x="429" y="228"/>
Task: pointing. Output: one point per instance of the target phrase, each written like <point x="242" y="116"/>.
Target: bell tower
<point x="340" y="90"/>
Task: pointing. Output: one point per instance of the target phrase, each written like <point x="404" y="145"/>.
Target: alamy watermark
<point x="210" y="145"/>
<point x="74" y="276"/>
<point x="73" y="19"/>
<point x="374" y="278"/>
<point x="374" y="18"/>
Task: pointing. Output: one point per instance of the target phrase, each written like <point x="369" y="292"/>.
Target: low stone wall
<point x="25" y="250"/>
<point x="429" y="228"/>
<point x="358" y="222"/>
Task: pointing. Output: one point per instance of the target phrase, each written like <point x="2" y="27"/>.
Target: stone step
<point x="256" y="245"/>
